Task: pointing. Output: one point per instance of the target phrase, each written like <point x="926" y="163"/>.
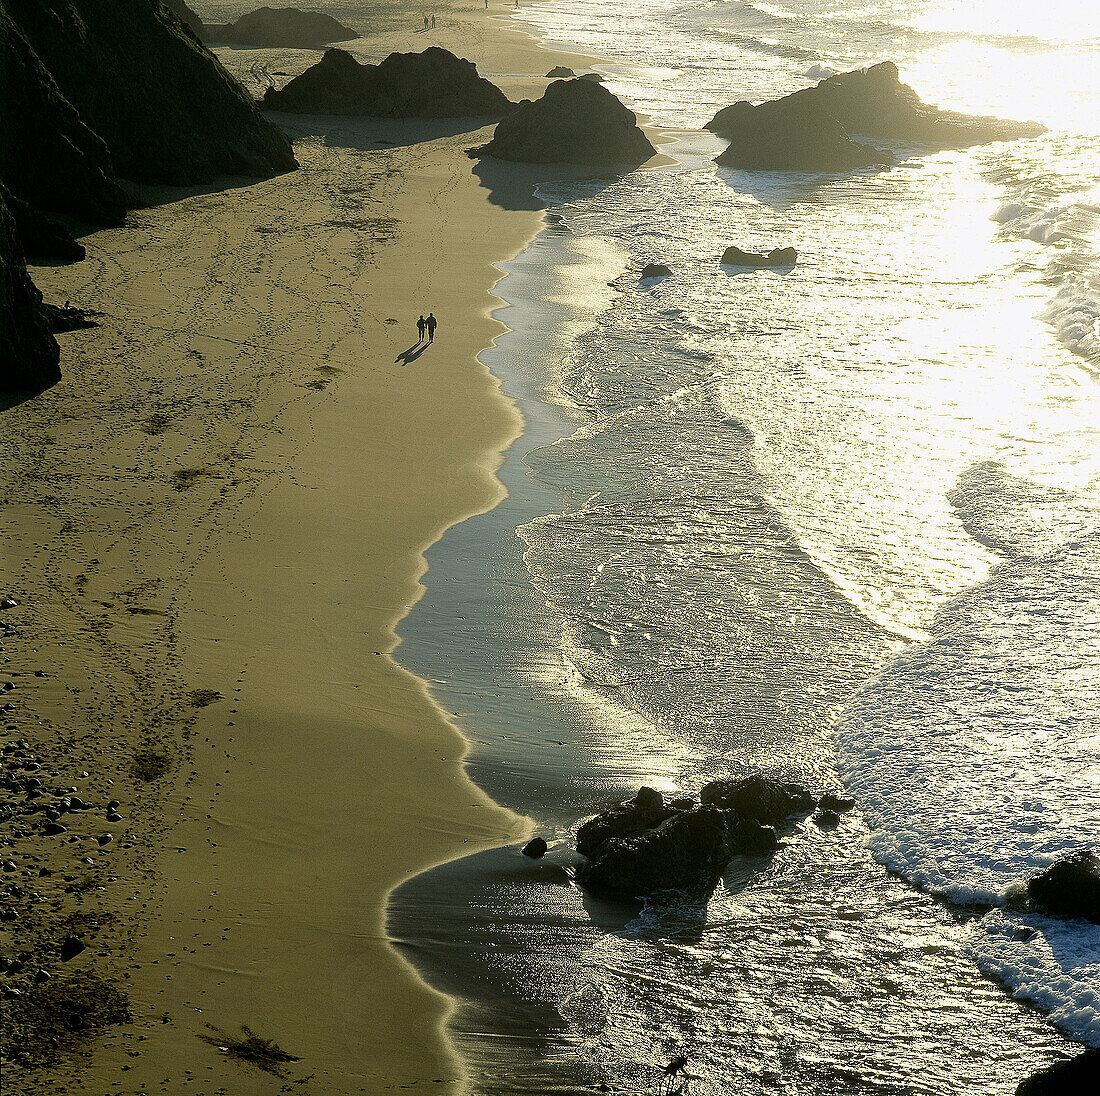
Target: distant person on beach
<point x="425" y="22"/>
<point x="430" y="321"/>
<point x="433" y="22"/>
<point x="421" y="324"/>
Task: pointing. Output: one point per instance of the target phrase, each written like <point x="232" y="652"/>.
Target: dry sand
<point x="213" y="525"/>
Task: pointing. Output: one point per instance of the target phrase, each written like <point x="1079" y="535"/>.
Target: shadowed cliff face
<point x="28" y="352"/>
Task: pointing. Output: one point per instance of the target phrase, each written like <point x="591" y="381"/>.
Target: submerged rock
<point x="778" y="256"/>
<point x="1071" y="1077"/>
<point x="274" y="28"/>
<point x="809" y="130"/>
<point x="432" y="84"/>
<point x="655" y="270"/>
<point x="758" y="797"/>
<point x="575" y="122"/>
<point x="1069" y="888"/>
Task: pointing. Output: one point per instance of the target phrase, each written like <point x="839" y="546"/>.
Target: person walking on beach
<point x="430" y="321"/>
<point x="421" y="324"/>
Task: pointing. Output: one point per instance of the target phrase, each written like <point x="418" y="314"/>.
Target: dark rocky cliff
<point x="28" y="351"/>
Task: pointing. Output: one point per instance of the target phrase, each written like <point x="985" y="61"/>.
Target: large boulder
<point x="645" y="811"/>
<point x="758" y="797"/>
<point x="160" y="107"/>
<point x="809" y="130"/>
<point x="1069" y="1077"/>
<point x="278" y="28"/>
<point x="688" y="852"/>
<point x="797" y="136"/>
<point x="1069" y="888"/>
<point x="28" y="352"/>
<point x="432" y="84"/>
<point x="575" y="122"/>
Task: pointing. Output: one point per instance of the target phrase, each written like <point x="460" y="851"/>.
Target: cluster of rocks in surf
<point x="812" y="129"/>
<point x="645" y="844"/>
<point x="431" y="84"/>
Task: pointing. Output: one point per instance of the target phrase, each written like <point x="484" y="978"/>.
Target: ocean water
<point x="838" y="523"/>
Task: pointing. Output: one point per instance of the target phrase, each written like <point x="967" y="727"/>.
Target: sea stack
<point x="575" y="122"/>
<point x="431" y="84"/>
<point x="811" y="129"/>
<point x="280" y="28"/>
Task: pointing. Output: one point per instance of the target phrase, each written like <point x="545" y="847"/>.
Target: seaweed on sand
<point x="249" y="1047"/>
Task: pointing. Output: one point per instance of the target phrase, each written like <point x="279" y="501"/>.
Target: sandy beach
<point x="214" y="523"/>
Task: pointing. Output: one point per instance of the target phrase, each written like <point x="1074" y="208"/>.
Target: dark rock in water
<point x="778" y="256"/>
<point x="71" y="948"/>
<point x="809" y="129"/>
<point x="29" y="354"/>
<point x="826" y="820"/>
<point x="623" y="820"/>
<point x="592" y="76"/>
<point x="121" y="88"/>
<point x="432" y="84"/>
<point x="839" y="804"/>
<point x="560" y="72"/>
<point x="648" y="799"/>
<point x="575" y="122"/>
<point x="273" y="28"/>
<point x="757" y="797"/>
<point x="1069" y="888"/>
<point x="655" y="270"/>
<point x="187" y="17"/>
<point x="1070" y="1077"/>
<point x="688" y="852"/>
<point x="535" y="848"/>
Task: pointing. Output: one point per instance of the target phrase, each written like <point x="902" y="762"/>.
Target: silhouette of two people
<point x="428" y="325"/>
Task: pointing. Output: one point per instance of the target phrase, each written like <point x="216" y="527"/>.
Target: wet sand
<point x="213" y="524"/>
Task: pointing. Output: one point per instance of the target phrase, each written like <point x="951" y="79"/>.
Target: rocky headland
<point x="575" y="122"/>
<point x="29" y="353"/>
<point x="278" y="28"/>
<point x="431" y="84"/>
<point x="813" y="129"/>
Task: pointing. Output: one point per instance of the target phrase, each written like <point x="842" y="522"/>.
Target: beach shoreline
<point x="218" y="518"/>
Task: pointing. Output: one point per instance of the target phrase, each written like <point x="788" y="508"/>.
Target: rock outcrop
<point x="1069" y="888"/>
<point x="1071" y="1077"/>
<point x="644" y="844"/>
<point x="575" y="122"/>
<point x="29" y="353"/>
<point x="94" y="89"/>
<point x="688" y="852"/>
<point x="778" y="256"/>
<point x="276" y="28"/>
<point x="432" y="84"/>
<point x="810" y="130"/>
<point x="759" y="798"/>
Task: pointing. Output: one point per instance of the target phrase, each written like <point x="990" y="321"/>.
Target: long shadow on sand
<point x="414" y="352"/>
<point x="512" y="185"/>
